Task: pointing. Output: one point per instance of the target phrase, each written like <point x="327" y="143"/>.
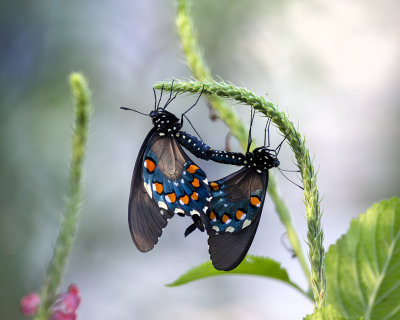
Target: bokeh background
<point x="332" y="66"/>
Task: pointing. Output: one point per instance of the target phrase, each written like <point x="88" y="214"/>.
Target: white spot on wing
<point x="205" y="181"/>
<point x="193" y="212"/>
<point x="148" y="189"/>
<point x="216" y="228"/>
<point x="162" y="205"/>
<point x="230" y="229"/>
<point x="205" y="209"/>
<point x="177" y="210"/>
<point x="246" y="223"/>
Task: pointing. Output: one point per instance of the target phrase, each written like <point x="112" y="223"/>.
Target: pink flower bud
<point x="73" y="288"/>
<point x="59" y="315"/>
<point x="67" y="303"/>
<point x="30" y="304"/>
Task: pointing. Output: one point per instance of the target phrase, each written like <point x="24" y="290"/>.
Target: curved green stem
<point x="297" y="144"/>
<point x="69" y="224"/>
<point x="201" y="72"/>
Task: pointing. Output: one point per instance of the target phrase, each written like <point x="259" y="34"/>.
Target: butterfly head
<point x="165" y="121"/>
<point x="262" y="158"/>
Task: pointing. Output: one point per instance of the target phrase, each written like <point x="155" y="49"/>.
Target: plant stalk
<point x="69" y="224"/>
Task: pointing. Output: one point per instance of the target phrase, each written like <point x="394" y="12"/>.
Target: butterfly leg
<point x="197" y="224"/>
<point x="190" y="229"/>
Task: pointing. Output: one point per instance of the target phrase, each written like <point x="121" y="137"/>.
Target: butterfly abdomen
<point x="235" y="158"/>
<point x="194" y="145"/>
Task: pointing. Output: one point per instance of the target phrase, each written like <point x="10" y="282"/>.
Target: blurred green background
<point x="332" y="66"/>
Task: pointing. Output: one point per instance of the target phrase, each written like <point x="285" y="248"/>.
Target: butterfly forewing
<point x="235" y="211"/>
<point x="165" y="181"/>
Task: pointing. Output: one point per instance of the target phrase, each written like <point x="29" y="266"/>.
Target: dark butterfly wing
<point x="145" y="219"/>
<point x="235" y="211"/>
<point x="165" y="181"/>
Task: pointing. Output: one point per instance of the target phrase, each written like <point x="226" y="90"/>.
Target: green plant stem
<point x="201" y="72"/>
<point x="297" y="144"/>
<point x="69" y="224"/>
<point x="286" y="220"/>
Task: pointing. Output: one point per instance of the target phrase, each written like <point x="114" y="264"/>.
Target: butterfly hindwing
<point x="235" y="212"/>
<point x="165" y="181"/>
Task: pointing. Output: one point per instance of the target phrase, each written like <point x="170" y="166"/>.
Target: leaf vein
<point x="372" y="299"/>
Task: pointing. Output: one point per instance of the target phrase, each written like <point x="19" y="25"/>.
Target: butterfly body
<point x="196" y="146"/>
<point x="165" y="182"/>
<point x="236" y="206"/>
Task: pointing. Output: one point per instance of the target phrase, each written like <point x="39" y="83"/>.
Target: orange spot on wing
<point x="239" y="214"/>
<point x="195" y="196"/>
<point x="184" y="199"/>
<point x="214" y="185"/>
<point x="196" y="183"/>
<point x="255" y="201"/>
<point x="171" y="197"/>
<point x="158" y="187"/>
<point x="149" y="165"/>
<point x="212" y="215"/>
<point x="192" y="168"/>
<point x="225" y="218"/>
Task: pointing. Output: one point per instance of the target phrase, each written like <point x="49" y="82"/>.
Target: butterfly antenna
<point x="290" y="180"/>
<point x="252" y="113"/>
<point x="155" y="99"/>
<point x="145" y="114"/>
<point x="265" y="132"/>
<point x="193" y="104"/>
<point x="285" y="170"/>
<point x="162" y="89"/>
<point x="192" y="126"/>
<point x="170" y="98"/>
<point x="278" y="148"/>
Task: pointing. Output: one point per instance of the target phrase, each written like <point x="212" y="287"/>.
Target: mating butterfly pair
<point x="166" y="182"/>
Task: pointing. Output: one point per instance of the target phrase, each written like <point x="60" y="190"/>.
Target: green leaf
<point x="363" y="267"/>
<point x="328" y="313"/>
<point x="251" y="265"/>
